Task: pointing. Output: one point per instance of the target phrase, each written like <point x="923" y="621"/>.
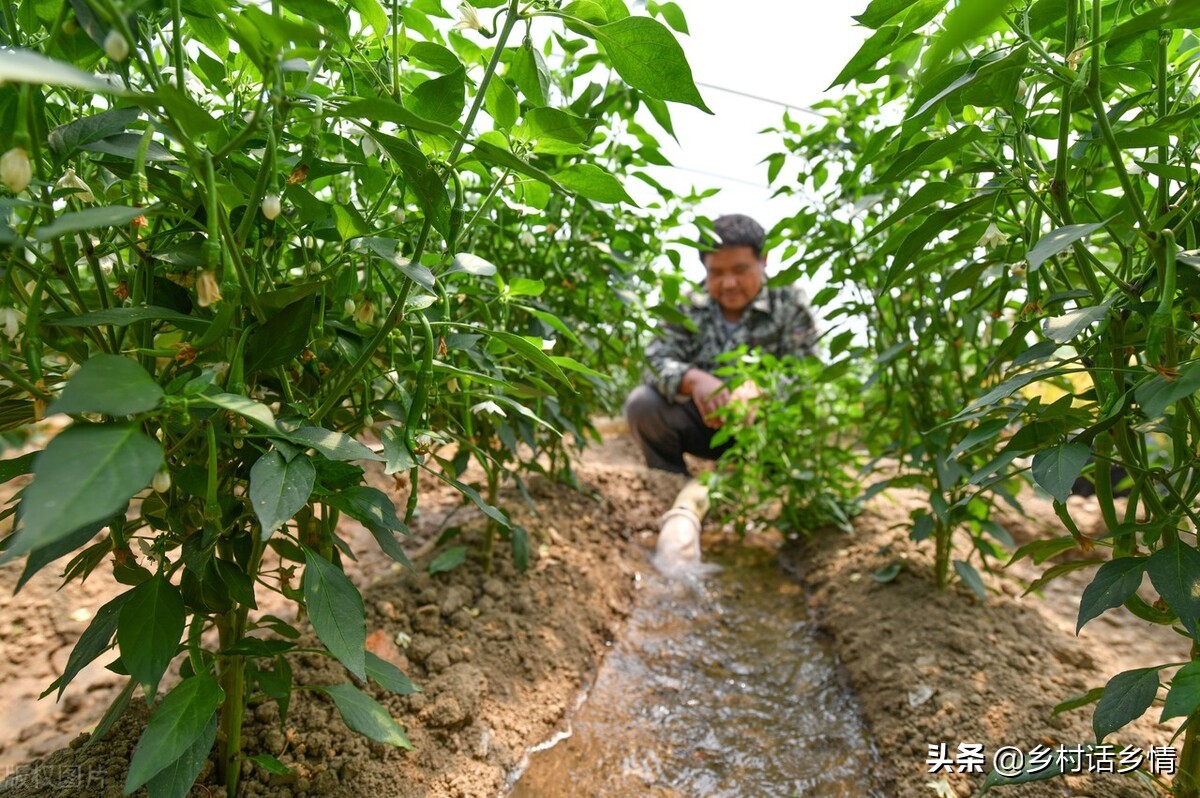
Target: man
<point x="675" y="411"/>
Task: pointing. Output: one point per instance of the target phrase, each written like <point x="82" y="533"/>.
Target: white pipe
<point x="678" y="545"/>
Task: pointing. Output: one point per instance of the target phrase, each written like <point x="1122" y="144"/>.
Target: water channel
<point x="719" y="687"/>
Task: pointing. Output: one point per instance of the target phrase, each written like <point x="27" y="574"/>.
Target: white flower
<point x="527" y="240"/>
<point x="369" y="147"/>
<point x="115" y="46"/>
<point x="488" y="407"/>
<point x="992" y="237"/>
<point x="162" y="481"/>
<point x="468" y="18"/>
<point x="81" y="190"/>
<point x="365" y="312"/>
<point x="15" y="170"/>
<point x="348" y="306"/>
<point x="10" y="321"/>
<point x="399" y="216"/>
<point x="208" y="291"/>
<point x="271" y="206"/>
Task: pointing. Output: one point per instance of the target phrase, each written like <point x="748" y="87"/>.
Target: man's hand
<point x="710" y="395"/>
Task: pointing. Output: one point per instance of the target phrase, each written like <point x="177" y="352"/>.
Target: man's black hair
<point x="733" y="230"/>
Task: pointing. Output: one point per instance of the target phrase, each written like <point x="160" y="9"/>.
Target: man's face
<point x="735" y="275"/>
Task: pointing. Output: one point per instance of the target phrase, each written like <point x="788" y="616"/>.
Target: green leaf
<point x="16" y="467"/>
<point x="148" y="631"/>
<point x="373" y="14"/>
<point x="177" y="779"/>
<point x="374" y="510"/>
<point x="271" y="764"/>
<point x="487" y="151"/>
<point x="1156" y="394"/>
<point x="1058" y="240"/>
<point x="965" y="22"/>
<point x="888" y="573"/>
<point x="1054" y="572"/>
<point x="882" y="42"/>
<point x="395" y="450"/>
<point x="336" y="610"/>
<point x="381" y="109"/>
<point x="448" y="560"/>
<point x="529" y="72"/>
<point x="1090" y="697"/>
<point x="281" y="338"/>
<point x="1057" y="468"/>
<point x="280" y="488"/>
<point x="881" y="11"/>
<point x="647" y="57"/>
<point x="440" y="99"/>
<point x="65" y="139"/>
<point x="243" y="406"/>
<point x="1070" y="761"/>
<point x="422" y="179"/>
<point x="365" y="716"/>
<point x="434" y="55"/>
<point x="88" y="219"/>
<point x="1175" y="573"/>
<point x="26" y="66"/>
<point x="388" y="676"/>
<point x="41" y="557"/>
<point x="592" y="182"/>
<point x="586" y="11"/>
<point x="121" y="317"/>
<point x="557" y="124"/>
<point x="92" y="643"/>
<point x="501" y="103"/>
<point x="109" y="384"/>
<point x="184" y="716"/>
<point x="520" y="548"/>
<point x="334" y="445"/>
<point x="1067" y="327"/>
<point x="1126" y="698"/>
<point x="971" y="578"/>
<point x="86" y="474"/>
<point x="1113" y="584"/>
<point x="1183" y="697"/>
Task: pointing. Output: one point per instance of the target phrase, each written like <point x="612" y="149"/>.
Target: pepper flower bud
<point x="115" y="46"/>
<point x="15" y="170"/>
<point x="162" y="481"/>
<point x="271" y="206"/>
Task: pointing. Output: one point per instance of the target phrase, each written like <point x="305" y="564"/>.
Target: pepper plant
<point x="246" y="247"/>
<point x="790" y="463"/>
<point x="1012" y="195"/>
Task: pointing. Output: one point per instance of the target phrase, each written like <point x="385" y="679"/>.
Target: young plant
<point x="790" y="464"/>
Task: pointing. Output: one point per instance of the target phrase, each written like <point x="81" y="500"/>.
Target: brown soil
<point x="503" y="658"/>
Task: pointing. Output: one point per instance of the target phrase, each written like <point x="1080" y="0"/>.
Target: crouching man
<point x="674" y="411"/>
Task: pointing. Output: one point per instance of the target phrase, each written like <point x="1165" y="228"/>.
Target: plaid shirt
<point x="778" y="321"/>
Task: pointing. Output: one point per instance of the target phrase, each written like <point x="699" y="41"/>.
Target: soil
<point x="502" y="659"/>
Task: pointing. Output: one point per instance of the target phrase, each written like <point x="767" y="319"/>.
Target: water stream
<point x="719" y="687"/>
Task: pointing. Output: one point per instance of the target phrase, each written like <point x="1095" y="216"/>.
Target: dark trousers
<point x="665" y="430"/>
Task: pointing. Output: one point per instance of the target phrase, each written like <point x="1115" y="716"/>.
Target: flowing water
<point x="719" y="687"/>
